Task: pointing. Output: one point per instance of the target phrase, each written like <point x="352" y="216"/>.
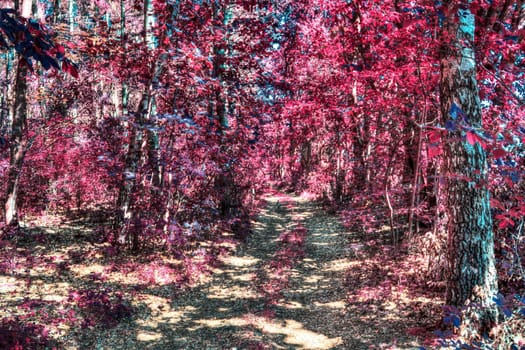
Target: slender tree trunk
<point x="124" y="95"/>
<point x="361" y="152"/>
<point x="153" y="137"/>
<point x="56" y="11"/>
<point x="339" y="175"/>
<point x="224" y="183"/>
<point x="416" y="179"/>
<point x="519" y="18"/>
<point x="360" y="145"/>
<point x="5" y="112"/>
<point x="71" y="15"/>
<point x="472" y="278"/>
<point x="129" y="180"/>
<point x="135" y="155"/>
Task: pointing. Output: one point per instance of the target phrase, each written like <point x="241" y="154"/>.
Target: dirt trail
<point x="229" y="312"/>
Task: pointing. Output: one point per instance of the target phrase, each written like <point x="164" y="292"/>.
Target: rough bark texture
<point x="132" y="162"/>
<point x="472" y="278"/>
<point x="19" y="142"/>
<point x="135" y="155"/>
<point x="221" y="108"/>
<point x="17" y="146"/>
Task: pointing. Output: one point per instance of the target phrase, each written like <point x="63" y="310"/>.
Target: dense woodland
<point x="160" y="125"/>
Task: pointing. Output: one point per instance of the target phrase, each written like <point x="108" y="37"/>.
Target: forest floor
<point x="301" y="281"/>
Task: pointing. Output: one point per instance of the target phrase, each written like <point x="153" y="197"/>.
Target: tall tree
<point x="144" y="115"/>
<point x="472" y="278"/>
<point x="19" y="143"/>
<point x="134" y="155"/>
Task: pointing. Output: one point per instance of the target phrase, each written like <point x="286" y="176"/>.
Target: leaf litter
<point x="301" y="281"/>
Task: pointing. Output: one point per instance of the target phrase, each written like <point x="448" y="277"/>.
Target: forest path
<point x="236" y="308"/>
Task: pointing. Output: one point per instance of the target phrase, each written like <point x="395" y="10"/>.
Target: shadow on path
<point x="227" y="312"/>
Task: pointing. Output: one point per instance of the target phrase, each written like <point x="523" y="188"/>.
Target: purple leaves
<point x="15" y="334"/>
<point x="100" y="307"/>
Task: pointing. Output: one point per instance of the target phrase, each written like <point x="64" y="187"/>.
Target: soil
<point x="341" y="292"/>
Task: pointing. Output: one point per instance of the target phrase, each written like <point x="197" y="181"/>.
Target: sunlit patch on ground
<point x="145" y="336"/>
<point x="339" y="304"/>
<point x="240" y="261"/>
<point x="301" y="338"/>
<point x="81" y="271"/>
<point x="337" y="296"/>
<point x="7" y="284"/>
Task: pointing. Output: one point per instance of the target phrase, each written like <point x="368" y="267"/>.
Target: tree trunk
<point x="154" y="153"/>
<point x="135" y="156"/>
<point x="225" y="183"/>
<point x="17" y="146"/>
<point x="472" y="279"/>
<point x="5" y="104"/>
<point x="361" y="148"/>
<point x="56" y="11"/>
<point x="123" y="46"/>
<point x="129" y="180"/>
<point x="71" y="16"/>
<point x="19" y="142"/>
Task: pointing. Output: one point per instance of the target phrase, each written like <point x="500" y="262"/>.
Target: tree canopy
<point x="173" y="118"/>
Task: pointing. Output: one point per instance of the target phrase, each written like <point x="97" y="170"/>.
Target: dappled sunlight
<point x="145" y="336"/>
<point x="45" y="297"/>
<point x="240" y="261"/>
<point x="87" y="270"/>
<point x="7" y="285"/>
<point x="247" y="277"/>
<point x="338" y="265"/>
<point x="233" y="293"/>
<point x="290" y="304"/>
<point x="301" y="304"/>
<point x="297" y="335"/>
<point x="312" y="279"/>
<point x="339" y="304"/>
<point x="12" y="288"/>
<point x="294" y="332"/>
<point x="188" y="174"/>
<point x="217" y="323"/>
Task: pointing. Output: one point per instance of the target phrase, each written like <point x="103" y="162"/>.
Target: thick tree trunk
<point x="17" y="146"/>
<point x="19" y="142"/>
<point x="472" y="278"/>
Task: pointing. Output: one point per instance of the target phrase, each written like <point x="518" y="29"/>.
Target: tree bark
<point x="219" y="105"/>
<point x="17" y="146"/>
<point x="129" y="177"/>
<point x="135" y="154"/>
<point x="472" y="279"/>
<point x="19" y="143"/>
<point x="127" y="237"/>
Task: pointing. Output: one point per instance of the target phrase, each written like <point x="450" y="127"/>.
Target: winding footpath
<point x="237" y="308"/>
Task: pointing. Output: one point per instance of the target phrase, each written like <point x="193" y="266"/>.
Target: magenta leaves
<point x="18" y="335"/>
<point x="102" y="308"/>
